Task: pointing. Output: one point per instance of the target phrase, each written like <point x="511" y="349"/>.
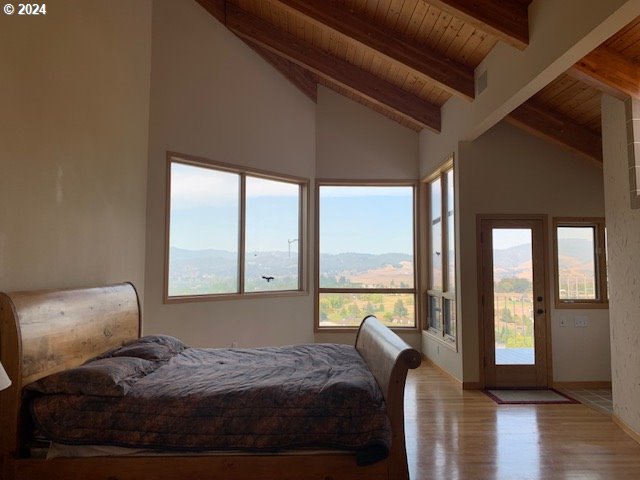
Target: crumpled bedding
<point x="262" y="399"/>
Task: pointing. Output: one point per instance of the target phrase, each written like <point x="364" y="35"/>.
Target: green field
<point x="348" y="309"/>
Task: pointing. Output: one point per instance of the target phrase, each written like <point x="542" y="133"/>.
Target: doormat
<point x="523" y="397"/>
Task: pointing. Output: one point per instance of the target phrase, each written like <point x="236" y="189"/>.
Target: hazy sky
<point x="204" y="214"/>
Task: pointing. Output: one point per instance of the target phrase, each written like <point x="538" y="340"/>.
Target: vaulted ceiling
<point x="406" y="58"/>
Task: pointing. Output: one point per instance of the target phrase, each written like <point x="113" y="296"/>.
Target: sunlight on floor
<point x="455" y="434"/>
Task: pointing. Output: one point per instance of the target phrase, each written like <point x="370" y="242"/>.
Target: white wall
<point x="213" y="97"/>
<point x="73" y="144"/>
<point x="357" y="143"/>
<point x="623" y="243"/>
<point x="436" y="149"/>
<point x="509" y="171"/>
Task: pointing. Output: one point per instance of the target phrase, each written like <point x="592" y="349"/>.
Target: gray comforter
<point x="304" y="396"/>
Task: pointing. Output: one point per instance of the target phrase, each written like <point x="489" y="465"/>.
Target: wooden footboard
<point x="389" y="358"/>
<point x="48" y="331"/>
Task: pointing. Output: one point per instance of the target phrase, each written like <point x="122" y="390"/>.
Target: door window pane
<point x="577" y="263"/>
<point x="271" y="235"/>
<point x="203" y="235"/>
<point x="513" y="296"/>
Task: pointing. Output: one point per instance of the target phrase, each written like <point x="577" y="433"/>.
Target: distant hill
<point x="221" y="263"/>
<point x="516" y="261"/>
<point x="354" y="263"/>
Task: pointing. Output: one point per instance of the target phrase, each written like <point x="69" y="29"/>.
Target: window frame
<point x="600" y="261"/>
<point x="446" y="294"/>
<point x="243" y="172"/>
<point x="318" y="290"/>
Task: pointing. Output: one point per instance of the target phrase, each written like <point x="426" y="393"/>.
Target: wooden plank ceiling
<point x="406" y="58"/>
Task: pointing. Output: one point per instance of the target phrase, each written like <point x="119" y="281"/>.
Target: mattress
<point x="317" y="396"/>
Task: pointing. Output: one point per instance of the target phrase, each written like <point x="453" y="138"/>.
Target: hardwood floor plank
<point x="457" y="434"/>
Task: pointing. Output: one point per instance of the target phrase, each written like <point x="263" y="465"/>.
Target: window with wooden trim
<point x="232" y="231"/>
<point x="365" y="258"/>
<point x="440" y="295"/>
<point x="580" y="263"/>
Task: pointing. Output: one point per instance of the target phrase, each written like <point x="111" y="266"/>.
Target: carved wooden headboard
<point x="43" y="332"/>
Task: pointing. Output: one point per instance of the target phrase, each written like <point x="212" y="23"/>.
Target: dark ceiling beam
<point x="361" y="82"/>
<point x="215" y="8"/>
<point x="306" y="81"/>
<point x="507" y="20"/>
<point x="453" y="77"/>
<point x="557" y="128"/>
<point x="609" y="72"/>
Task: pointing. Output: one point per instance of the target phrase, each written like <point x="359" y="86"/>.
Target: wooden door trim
<point x="545" y="278"/>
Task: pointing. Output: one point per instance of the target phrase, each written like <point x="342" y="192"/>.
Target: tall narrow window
<point x="366" y="255"/>
<point x="204" y="231"/>
<point x="272" y="235"/>
<point x="232" y="231"/>
<point x="580" y="261"/>
<point x="440" y="295"/>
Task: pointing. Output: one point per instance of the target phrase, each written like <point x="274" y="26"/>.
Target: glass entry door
<point x="514" y="311"/>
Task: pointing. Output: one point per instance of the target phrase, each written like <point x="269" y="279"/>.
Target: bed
<point x="45" y="332"/>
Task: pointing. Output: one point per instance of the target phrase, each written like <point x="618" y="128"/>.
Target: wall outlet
<point x="581" y="321"/>
<point x="563" y="322"/>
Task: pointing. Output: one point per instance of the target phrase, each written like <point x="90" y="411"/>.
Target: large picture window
<point x="580" y="263"/>
<point x="232" y="231"/>
<point x="366" y="261"/>
<point x="440" y="294"/>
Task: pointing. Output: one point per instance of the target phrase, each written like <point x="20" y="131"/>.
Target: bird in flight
<point x="268" y="279"/>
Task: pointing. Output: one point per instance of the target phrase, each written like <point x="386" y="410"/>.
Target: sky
<point x="204" y="214"/>
<point x="510" y="237"/>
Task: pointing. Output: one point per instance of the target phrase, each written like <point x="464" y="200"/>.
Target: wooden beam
<point x="453" y="77"/>
<point x="609" y="72"/>
<point x="558" y="129"/>
<point x="508" y="20"/>
<point x="253" y="28"/>
<point x="215" y="8"/>
<point x="306" y="81"/>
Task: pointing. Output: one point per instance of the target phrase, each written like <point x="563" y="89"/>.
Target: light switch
<point x="581" y="321"/>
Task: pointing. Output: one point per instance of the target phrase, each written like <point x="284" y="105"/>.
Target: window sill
<point x="578" y="305"/>
<point x="233" y="296"/>
<point x="318" y="329"/>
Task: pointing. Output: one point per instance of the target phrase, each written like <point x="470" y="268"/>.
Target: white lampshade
<point x="5" y="381"/>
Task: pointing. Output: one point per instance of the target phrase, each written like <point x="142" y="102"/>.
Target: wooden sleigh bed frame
<point x="44" y="332"/>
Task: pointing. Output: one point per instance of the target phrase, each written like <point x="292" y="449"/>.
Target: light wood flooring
<point x="454" y="434"/>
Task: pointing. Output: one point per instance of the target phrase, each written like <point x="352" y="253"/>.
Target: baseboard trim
<point x="586" y="385"/>
<point x="471" y="386"/>
<point x="626" y="428"/>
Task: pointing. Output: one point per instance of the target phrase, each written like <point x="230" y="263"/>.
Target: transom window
<point x="232" y="231"/>
<point x="580" y="263"/>
<point x="366" y="261"/>
<point x="440" y="295"/>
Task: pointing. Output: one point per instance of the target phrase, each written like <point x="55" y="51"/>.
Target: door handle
<point x="540" y="311"/>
